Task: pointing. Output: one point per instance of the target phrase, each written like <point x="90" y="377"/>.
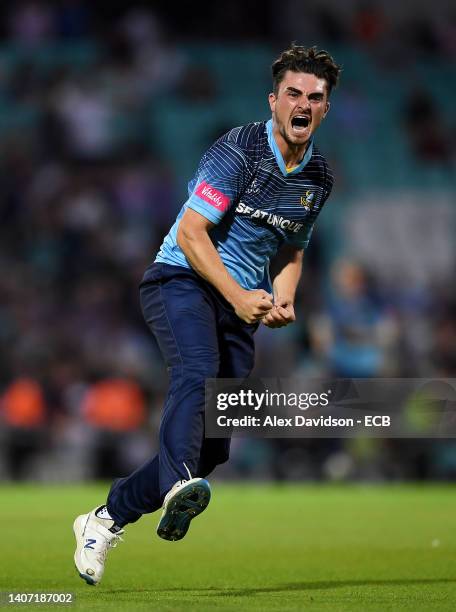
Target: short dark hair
<point x="305" y="59"/>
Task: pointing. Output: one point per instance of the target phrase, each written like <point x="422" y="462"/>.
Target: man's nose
<point x="304" y="102"/>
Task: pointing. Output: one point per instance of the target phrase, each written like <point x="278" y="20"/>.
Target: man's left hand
<point x="281" y="314"/>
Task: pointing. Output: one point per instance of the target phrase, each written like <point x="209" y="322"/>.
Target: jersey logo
<point x="307" y="200"/>
<point x="213" y="196"/>
<point x="253" y="188"/>
<point x="269" y="218"/>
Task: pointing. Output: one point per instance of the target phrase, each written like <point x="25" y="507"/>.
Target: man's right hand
<point x="251" y="306"/>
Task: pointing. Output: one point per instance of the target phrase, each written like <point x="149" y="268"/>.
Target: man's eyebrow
<point x="311" y="94"/>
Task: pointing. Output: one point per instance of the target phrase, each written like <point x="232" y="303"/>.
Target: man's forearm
<point x="194" y="240"/>
<point x="286" y="281"/>
<point x="205" y="260"/>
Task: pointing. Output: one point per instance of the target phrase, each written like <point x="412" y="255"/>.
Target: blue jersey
<point x="242" y="185"/>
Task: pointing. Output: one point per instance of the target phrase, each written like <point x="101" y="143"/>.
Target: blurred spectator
<point x="24" y="414"/>
<point x="31" y="22"/>
<point x="429" y="136"/>
<point x="369" y="23"/>
<point x="355" y="331"/>
<point x="86" y="115"/>
<point x="159" y="64"/>
<point x="352" y="113"/>
<point x="444" y="346"/>
<point x="115" y="409"/>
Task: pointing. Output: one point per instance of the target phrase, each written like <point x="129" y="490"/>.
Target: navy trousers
<point x="200" y="337"/>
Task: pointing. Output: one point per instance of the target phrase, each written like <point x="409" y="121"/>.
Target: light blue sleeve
<point x="219" y="182"/>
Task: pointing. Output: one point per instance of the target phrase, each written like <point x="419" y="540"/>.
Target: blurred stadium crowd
<point x="105" y="111"/>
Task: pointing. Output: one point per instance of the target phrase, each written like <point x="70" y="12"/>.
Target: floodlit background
<point x="105" y="110"/>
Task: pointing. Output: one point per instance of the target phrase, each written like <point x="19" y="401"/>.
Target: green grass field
<point x="255" y="548"/>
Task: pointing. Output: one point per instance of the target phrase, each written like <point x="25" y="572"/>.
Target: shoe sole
<point x="191" y="500"/>
<point x="78" y="528"/>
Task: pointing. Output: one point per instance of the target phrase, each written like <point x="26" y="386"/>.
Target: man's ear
<point x="272" y="101"/>
<point x="326" y="108"/>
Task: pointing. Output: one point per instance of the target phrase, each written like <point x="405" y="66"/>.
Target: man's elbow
<point x="192" y="228"/>
<point x="187" y="235"/>
<point x="182" y="236"/>
<point x="293" y="254"/>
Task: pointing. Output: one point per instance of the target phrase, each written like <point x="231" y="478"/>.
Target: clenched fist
<point x="280" y="315"/>
<point x="251" y="306"/>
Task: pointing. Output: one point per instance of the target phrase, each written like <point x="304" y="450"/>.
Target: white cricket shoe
<point x="182" y="503"/>
<point x="93" y="541"/>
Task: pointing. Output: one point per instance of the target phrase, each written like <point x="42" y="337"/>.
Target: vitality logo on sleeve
<point x="212" y="196"/>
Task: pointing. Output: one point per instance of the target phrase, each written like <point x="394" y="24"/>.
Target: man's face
<point x="299" y="107"/>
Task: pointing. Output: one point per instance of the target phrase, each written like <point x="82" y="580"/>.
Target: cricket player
<point x="258" y="189"/>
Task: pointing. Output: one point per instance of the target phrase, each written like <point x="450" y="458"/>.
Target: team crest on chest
<point x="308" y="199"/>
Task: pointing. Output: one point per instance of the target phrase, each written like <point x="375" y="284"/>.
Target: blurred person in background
<point x="23" y="412"/>
<point x="355" y="330"/>
<point x="258" y="190"/>
<point x="430" y="138"/>
<point x="115" y="409"/>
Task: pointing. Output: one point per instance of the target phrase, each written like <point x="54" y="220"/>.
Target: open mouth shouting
<point x="300" y="123"/>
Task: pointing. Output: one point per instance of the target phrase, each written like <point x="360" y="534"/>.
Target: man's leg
<point x="181" y="315"/>
<point x="237" y="358"/>
<point x="236" y="349"/>
<point x="136" y="494"/>
<point x="139" y="493"/>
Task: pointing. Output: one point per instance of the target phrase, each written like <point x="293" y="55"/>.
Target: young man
<point x="258" y="189"/>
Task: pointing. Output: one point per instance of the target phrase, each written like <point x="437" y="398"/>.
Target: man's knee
<point x="195" y="372"/>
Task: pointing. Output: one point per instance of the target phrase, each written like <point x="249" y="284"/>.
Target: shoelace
<point x="181" y="482"/>
<point x="101" y="557"/>
<point x="189" y="473"/>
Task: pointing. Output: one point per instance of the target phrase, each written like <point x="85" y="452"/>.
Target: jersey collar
<point x="278" y="155"/>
